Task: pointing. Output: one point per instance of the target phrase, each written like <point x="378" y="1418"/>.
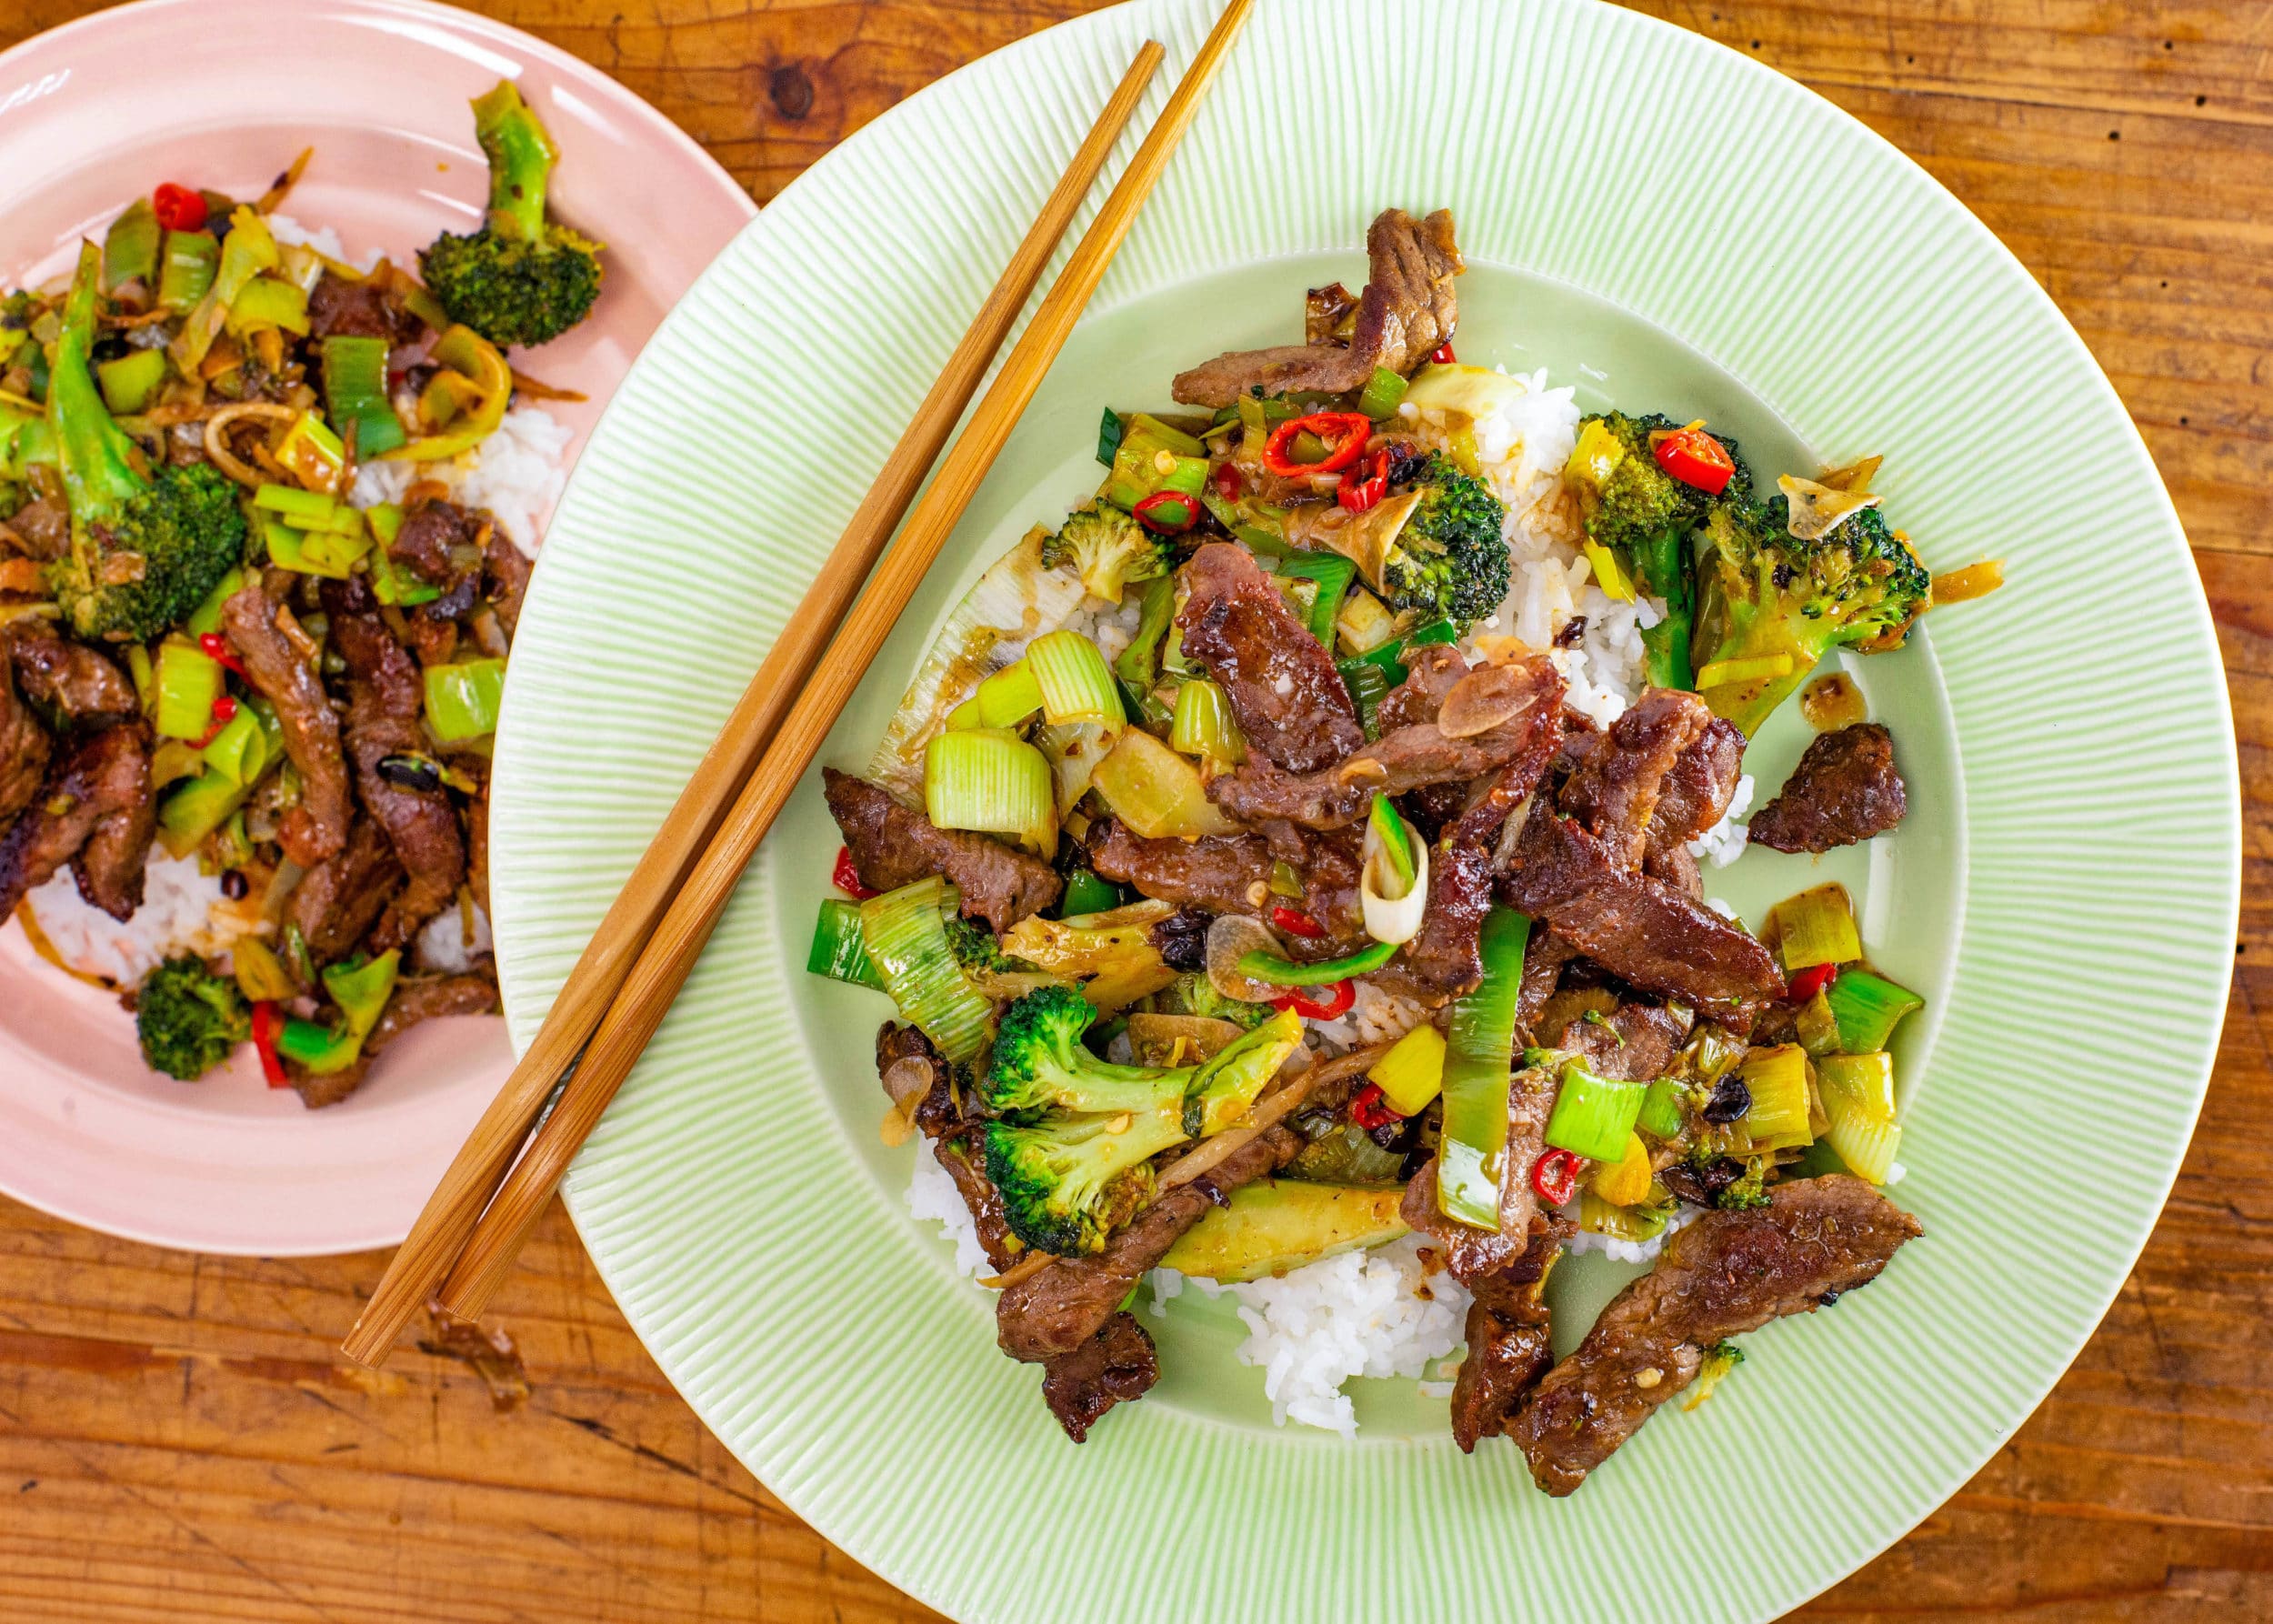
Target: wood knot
<point x="791" y="90"/>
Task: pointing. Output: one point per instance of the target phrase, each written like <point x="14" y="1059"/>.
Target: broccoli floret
<point x="1194" y="994"/>
<point x="975" y="949"/>
<point x="1234" y="1076"/>
<point x="188" y="1019"/>
<point x="1765" y="596"/>
<point x="1626" y="497"/>
<point x="1068" y="1180"/>
<point x="521" y="279"/>
<point x="1040" y="1064"/>
<point x="145" y="550"/>
<point x="1450" y="560"/>
<point x="1748" y="1191"/>
<point x="1109" y="548"/>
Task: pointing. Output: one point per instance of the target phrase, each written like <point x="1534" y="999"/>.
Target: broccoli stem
<point x="94" y="453"/>
<point x="521" y="157"/>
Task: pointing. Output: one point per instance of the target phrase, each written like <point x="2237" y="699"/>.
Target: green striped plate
<point x="1664" y="224"/>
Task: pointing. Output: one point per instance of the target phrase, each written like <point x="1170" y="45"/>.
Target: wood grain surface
<point x="179" y="1440"/>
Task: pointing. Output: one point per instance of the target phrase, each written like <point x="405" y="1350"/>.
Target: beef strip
<point x="1431" y="671"/>
<point x="109" y="866"/>
<point x="1845" y="789"/>
<point x="1407" y="310"/>
<point x="1638" y="927"/>
<point x="386" y="701"/>
<point x="23" y="749"/>
<point x="945" y="1121"/>
<point x="505" y="577"/>
<point x="1445" y="958"/>
<point x="1116" y="1366"/>
<point x="1696" y="790"/>
<point x="43" y="526"/>
<point x="97" y="787"/>
<point x="893" y="845"/>
<point x="359" y="310"/>
<point x="316" y="828"/>
<point x="1407" y="758"/>
<point x="339" y="899"/>
<point x="73" y="680"/>
<point x="432" y="533"/>
<point x="1231" y="874"/>
<point x="1633" y="1043"/>
<point x="418" y="999"/>
<point x="1291" y="704"/>
<point x="1616" y="791"/>
<point x="1544" y="957"/>
<point x="1054" y="1310"/>
<point x="1726" y="1274"/>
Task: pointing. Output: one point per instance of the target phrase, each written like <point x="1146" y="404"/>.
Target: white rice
<point x="1620" y="1250"/>
<point x="325" y="241"/>
<point x="516" y="473"/>
<point x="1724" y="843"/>
<point x="1365" y="1313"/>
<point x="442" y="945"/>
<point x="175" y="916"/>
<point x="932" y="1197"/>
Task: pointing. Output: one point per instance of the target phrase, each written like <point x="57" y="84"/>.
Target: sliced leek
<point x="1867" y="1008"/>
<point x="1076" y="684"/>
<point x="993" y="782"/>
<point x="1204" y="727"/>
<point x="1157" y="792"/>
<point x="1004" y="700"/>
<point x="1594" y="1116"/>
<point x="1818" y="926"/>
<point x="1859" y="1102"/>
<point x="906" y="934"/>
<point x="1413" y="1072"/>
<point x="1479" y="1052"/>
<point x="1777" y="1078"/>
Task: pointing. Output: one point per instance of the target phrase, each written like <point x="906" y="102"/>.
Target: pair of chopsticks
<point x="465" y="1242"/>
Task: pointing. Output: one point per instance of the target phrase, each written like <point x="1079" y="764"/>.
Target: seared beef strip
<point x="1291" y="704"/>
<point x="1445" y="959"/>
<point x="1054" y="1310"/>
<point x="97" y="787"/>
<point x="1544" y="957"/>
<point x="1726" y="1274"/>
<point x="1431" y="671"/>
<point x="1510" y="1336"/>
<point x="418" y="999"/>
<point x="1231" y="874"/>
<point x="505" y="577"/>
<point x="1530" y="691"/>
<point x="108" y="866"/>
<point x="1635" y="1043"/>
<point x="943" y="1120"/>
<point x="893" y="845"/>
<point x="358" y="309"/>
<point x="72" y="678"/>
<point x="316" y="828"/>
<point x="1407" y="310"/>
<point x="1696" y="790"/>
<point x="1116" y="1366"/>
<point x="23" y="749"/>
<point x="431" y="532"/>
<point x="338" y="900"/>
<point x="1638" y="927"/>
<point x="1845" y="789"/>
<point x="385" y="700"/>
<point x="1616" y="790"/>
<point x="43" y="526"/>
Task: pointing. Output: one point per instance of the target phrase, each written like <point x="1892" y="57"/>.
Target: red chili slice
<point x="1556" y="1177"/>
<point x="1228" y="482"/>
<point x="1345" y="435"/>
<point x="1168" y="513"/>
<point x="1332" y="1006"/>
<point x="178" y="208"/>
<point x="1695" y="457"/>
<point x="845" y="876"/>
<point x="1805" y="984"/>
<point x="1370" y="1110"/>
<point x="1295" y="922"/>
<point x="223" y="712"/>
<point x="1442" y="354"/>
<point x="1364" y="486"/>
<point x="266" y="1023"/>
<point x="217" y="648"/>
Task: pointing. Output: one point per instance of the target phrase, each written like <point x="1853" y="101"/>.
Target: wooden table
<point x="178" y="1439"/>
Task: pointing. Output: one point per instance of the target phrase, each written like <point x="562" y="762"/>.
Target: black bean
<point x="411" y="772"/>
<point x="1573" y="629"/>
<point x="234" y="885"/>
<point x="1732" y="1098"/>
<point x="1182" y="938"/>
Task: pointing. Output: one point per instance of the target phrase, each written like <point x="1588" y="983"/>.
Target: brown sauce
<point x="1831" y="702"/>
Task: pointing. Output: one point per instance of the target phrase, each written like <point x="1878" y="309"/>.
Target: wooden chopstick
<point x="670" y="954"/>
<point x="472" y="1176"/>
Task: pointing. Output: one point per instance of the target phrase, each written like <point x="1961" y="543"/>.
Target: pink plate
<point x="224" y="93"/>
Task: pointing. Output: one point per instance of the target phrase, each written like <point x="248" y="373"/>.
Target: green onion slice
<point x="1661" y="1114"/>
<point x="1478" y="1052"/>
<point x="1594" y="1115"/>
<point x="463" y="700"/>
<point x="1204" y="724"/>
<point x="1867" y="1008"/>
<point x="837" y="950"/>
<point x="904" y="933"/>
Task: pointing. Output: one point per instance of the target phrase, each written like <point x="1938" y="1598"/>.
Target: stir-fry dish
<point x="1288" y="873"/>
<point x="265" y="522"/>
